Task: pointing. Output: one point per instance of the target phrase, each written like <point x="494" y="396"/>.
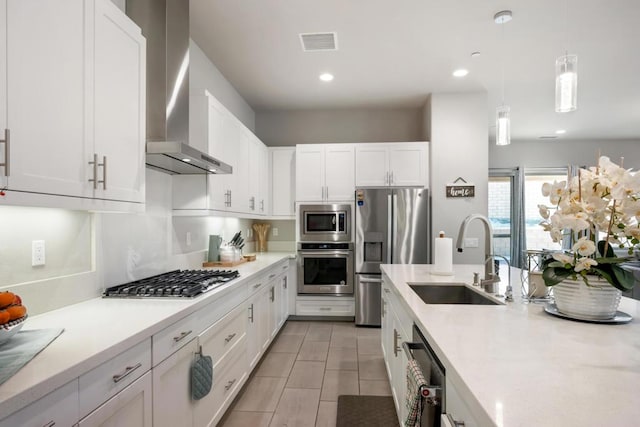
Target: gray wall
<point x="288" y="128"/>
<point x="459" y="136"/>
<point x="203" y="74"/>
<point x="559" y="152"/>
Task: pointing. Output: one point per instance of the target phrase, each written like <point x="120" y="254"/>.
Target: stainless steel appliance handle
<point x="6" y="141"/>
<point x="395" y="221"/>
<point x="328" y="252"/>
<point x="389" y="223"/>
<point x="367" y="280"/>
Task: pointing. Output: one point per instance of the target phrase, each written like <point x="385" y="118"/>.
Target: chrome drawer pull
<point x="230" y="337"/>
<point x="257" y="285"/>
<point x="229" y="384"/>
<point x="271" y="276"/>
<point x="6" y="141"/>
<point x="182" y="336"/>
<point x="50" y="424"/>
<point x="284" y="267"/>
<point x="127" y="371"/>
<point x="325" y="308"/>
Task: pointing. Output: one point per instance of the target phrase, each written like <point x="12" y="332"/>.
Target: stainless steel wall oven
<point x="325" y="268"/>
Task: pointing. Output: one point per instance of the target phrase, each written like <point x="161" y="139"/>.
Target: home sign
<point x="463" y="189"/>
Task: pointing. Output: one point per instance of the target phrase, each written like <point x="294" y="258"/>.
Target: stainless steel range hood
<point x="165" y="24"/>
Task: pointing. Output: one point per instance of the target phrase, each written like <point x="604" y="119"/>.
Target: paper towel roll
<point x="443" y="260"/>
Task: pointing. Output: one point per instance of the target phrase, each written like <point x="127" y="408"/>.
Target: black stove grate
<point x="174" y="284"/>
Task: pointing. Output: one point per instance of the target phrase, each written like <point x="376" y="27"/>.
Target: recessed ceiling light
<point x="326" y="77"/>
<point x="460" y="72"/>
<point x="186" y="160"/>
<point x="561" y="131"/>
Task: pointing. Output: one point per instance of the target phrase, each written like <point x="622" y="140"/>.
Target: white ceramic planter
<point x="596" y="301"/>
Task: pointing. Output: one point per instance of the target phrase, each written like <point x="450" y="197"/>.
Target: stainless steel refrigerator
<point x="391" y="227"/>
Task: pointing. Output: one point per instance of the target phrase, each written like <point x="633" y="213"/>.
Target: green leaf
<point x="625" y="278"/>
<point x="609" y="253"/>
<point x="554" y="275"/>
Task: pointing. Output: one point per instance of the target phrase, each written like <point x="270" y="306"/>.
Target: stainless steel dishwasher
<point x="433" y="401"/>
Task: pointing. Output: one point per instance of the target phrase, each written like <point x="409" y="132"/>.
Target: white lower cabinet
<point x="60" y="408"/>
<point x="131" y="407"/>
<point x="258" y="329"/>
<point x="172" y="404"/>
<point x="325" y="306"/>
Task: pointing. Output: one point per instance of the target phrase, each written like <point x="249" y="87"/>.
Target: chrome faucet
<point x="490" y="275"/>
<point x="508" y="293"/>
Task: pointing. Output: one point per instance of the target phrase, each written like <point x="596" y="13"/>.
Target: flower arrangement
<point x="600" y="201"/>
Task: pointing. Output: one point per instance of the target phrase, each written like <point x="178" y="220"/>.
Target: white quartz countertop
<point x="516" y="365"/>
<point x="98" y="329"/>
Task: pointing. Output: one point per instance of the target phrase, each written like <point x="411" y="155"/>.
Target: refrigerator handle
<point x="395" y="222"/>
<point x="389" y="223"/>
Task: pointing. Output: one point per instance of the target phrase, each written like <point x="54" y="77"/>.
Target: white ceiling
<point x="394" y="53"/>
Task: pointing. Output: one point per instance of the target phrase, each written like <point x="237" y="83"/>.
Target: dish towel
<point x="23" y="347"/>
<point x="416" y="383"/>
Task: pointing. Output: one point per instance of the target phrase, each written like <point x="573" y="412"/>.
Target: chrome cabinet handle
<point x="386" y="291"/>
<point x="230" y="199"/>
<point x="257" y="285"/>
<point x="284" y="267"/>
<point x="127" y="371"/>
<point x="104" y="172"/>
<point x="229" y="384"/>
<point x="251" y="311"/>
<point x="6" y="141"/>
<point x="181" y="336"/>
<point x="95" y="171"/>
<point x="284" y="282"/>
<point x="271" y="276"/>
<point x="325" y="308"/>
<point x="273" y="294"/>
<point x="262" y="205"/>
<point x="396" y="337"/>
<point x="50" y="424"/>
<point x="230" y="337"/>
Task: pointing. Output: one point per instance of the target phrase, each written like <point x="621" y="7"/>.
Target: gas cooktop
<point x="174" y="284"/>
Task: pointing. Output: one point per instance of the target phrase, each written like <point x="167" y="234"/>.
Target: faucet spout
<point x="489" y="269"/>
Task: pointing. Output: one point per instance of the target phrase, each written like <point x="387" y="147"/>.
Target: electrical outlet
<point x="37" y="252"/>
<point x="471" y="242"/>
<point x="188" y="238"/>
<point x="248" y="233"/>
<point x="275" y="231"/>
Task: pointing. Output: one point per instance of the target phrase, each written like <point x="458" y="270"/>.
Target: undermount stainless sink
<point x="450" y="293"/>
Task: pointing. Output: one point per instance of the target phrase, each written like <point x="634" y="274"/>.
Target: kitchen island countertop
<point x="99" y="329"/>
<point x="516" y="365"/>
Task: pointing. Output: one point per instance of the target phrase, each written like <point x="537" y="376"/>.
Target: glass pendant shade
<point x="503" y="125"/>
<point x="566" y="83"/>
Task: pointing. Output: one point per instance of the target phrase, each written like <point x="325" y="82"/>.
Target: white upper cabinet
<point x="283" y="185"/>
<point x="392" y="164"/>
<point x="214" y="130"/>
<point x="324" y="172"/>
<point x="75" y="93"/>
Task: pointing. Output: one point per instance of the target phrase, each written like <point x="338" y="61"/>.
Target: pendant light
<point x="503" y="120"/>
<point x="566" y="78"/>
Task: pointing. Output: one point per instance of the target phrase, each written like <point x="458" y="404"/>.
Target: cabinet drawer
<point x="173" y="337"/>
<point x="325" y="308"/>
<point x="60" y="408"/>
<point x="218" y="340"/>
<point x="105" y="381"/>
<point x="132" y="406"/>
<point x="228" y="377"/>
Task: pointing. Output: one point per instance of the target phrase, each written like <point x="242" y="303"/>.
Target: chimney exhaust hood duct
<point x="165" y="24"/>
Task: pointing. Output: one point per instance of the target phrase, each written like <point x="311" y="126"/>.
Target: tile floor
<point x="307" y="367"/>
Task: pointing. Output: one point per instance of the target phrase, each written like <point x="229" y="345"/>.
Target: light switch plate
<point x="471" y="242"/>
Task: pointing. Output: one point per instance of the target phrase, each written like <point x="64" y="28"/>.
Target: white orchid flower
<point x="563" y="258"/>
<point x="584" y="247"/>
<point x="585" y="264"/>
<point x="544" y="211"/>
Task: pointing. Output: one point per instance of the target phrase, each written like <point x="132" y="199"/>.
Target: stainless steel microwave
<point x="325" y="223"/>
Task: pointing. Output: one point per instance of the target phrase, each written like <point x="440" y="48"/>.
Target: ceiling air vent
<point x="313" y="42"/>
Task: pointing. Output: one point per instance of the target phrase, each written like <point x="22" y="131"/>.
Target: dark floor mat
<point x="366" y="411"/>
